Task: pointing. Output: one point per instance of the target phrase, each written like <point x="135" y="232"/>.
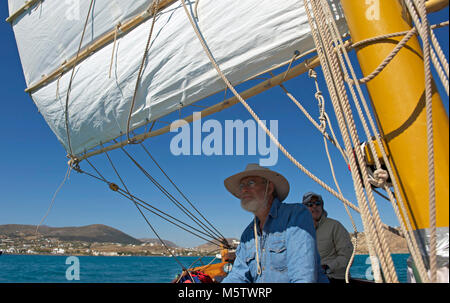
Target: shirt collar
<point x="273" y="210"/>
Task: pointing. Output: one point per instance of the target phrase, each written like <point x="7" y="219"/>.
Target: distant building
<point x="58" y="251"/>
<point x="109" y="254"/>
<point x="10" y="250"/>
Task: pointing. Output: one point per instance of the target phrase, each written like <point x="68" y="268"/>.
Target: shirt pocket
<point x="278" y="256"/>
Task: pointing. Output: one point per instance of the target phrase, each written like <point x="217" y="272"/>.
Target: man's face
<point x="315" y="207"/>
<point x="253" y="193"/>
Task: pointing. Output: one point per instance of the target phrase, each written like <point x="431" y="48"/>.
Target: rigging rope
<point x="412" y="244"/>
<point x="320" y="49"/>
<point x="324" y="118"/>
<point x="196" y="9"/>
<point x="71" y="80"/>
<point x="183" y="195"/>
<point x="437" y="56"/>
<point x="408" y="34"/>
<point x="140" y="211"/>
<point x="146" y="205"/>
<point x="214" y="251"/>
<point x="333" y="140"/>
<point x="388" y="59"/>
<point x="425" y="35"/>
<point x="144" y="59"/>
<point x="409" y="237"/>
<point x="348" y="130"/>
<point x="69" y="169"/>
<point x="336" y="37"/>
<point x="171" y="197"/>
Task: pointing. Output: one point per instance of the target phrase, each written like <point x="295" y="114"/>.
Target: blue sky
<point x="33" y="163"/>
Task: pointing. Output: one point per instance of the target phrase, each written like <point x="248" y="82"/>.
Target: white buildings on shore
<point x="58" y="251"/>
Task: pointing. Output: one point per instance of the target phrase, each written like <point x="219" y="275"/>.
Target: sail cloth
<point x="15" y="5"/>
<point x="245" y="37"/>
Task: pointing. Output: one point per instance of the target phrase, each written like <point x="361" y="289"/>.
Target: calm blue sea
<point x="58" y="269"/>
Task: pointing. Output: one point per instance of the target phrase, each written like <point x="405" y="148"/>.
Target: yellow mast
<point x="398" y="99"/>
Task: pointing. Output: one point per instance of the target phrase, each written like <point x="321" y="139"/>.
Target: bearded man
<point x="279" y="245"/>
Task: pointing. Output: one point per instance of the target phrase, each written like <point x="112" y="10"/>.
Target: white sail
<point x="15" y="5"/>
<point x="49" y="33"/>
<point x="245" y="37"/>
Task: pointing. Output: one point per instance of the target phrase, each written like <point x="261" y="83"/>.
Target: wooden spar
<point x="96" y="45"/>
<point x="436" y="5"/>
<point x="257" y="89"/>
<point x="20" y="11"/>
<point x="397" y="96"/>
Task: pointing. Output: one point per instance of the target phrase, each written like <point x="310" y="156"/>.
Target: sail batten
<point x="246" y="38"/>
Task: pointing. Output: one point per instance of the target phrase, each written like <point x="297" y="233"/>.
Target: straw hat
<point x="252" y="169"/>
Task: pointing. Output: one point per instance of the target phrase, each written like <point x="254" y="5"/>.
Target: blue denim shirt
<point x="287" y="249"/>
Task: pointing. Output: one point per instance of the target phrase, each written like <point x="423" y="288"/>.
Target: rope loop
<point x="379" y="178"/>
<point x="74" y="163"/>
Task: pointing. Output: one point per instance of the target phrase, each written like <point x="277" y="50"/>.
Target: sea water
<point x="87" y="269"/>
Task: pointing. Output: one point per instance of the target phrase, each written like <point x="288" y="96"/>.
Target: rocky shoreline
<point x="21" y="241"/>
<point x="396" y="241"/>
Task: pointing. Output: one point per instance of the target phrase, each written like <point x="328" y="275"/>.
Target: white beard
<point x="255" y="205"/>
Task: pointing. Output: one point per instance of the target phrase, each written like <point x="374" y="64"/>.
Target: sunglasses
<point x="310" y="204"/>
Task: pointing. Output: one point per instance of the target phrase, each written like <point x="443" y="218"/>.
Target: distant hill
<point x="157" y="242"/>
<point x="90" y="233"/>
